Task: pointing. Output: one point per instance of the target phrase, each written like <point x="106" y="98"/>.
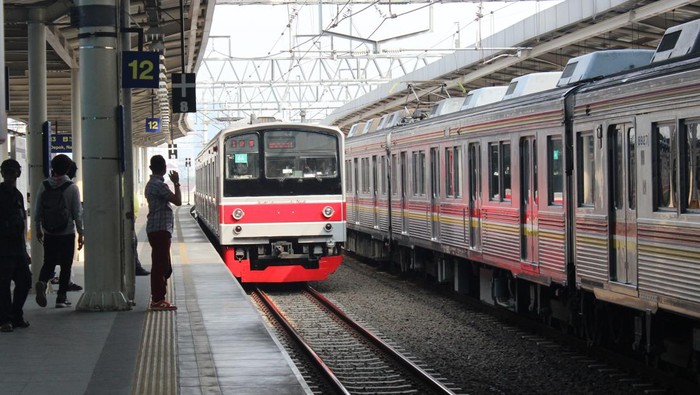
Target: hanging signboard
<point x="152" y="125"/>
<point x="140" y="69"/>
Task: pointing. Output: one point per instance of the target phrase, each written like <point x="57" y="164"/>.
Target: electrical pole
<point x="187" y="168"/>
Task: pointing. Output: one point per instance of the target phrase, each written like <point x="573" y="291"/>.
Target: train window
<point x="453" y="171"/>
<point x="631" y="168"/>
<point x="499" y="171"/>
<point x="382" y="174"/>
<point x="300" y="154"/>
<point x="585" y="158"/>
<point x="356" y="176"/>
<point x="691" y="175"/>
<point x="494" y="174"/>
<point x="555" y="171"/>
<point x="617" y="166"/>
<point x="364" y="175"/>
<point x="241" y="153"/>
<point x="394" y="172"/>
<point x="665" y="166"/>
<point x="348" y="175"/>
<point x="419" y="173"/>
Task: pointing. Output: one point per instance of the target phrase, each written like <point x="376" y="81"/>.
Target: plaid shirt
<point x="160" y="215"/>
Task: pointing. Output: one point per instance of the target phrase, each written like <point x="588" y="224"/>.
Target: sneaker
<point x="6" y="327"/>
<point x="40" y="288"/>
<point x="20" y="323"/>
<point x="62" y="302"/>
<point x="163" y="305"/>
<point x="54" y="281"/>
<point x="74" y="287"/>
<point x="140" y="271"/>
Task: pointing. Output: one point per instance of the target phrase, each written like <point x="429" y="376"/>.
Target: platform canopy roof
<point x="160" y="21"/>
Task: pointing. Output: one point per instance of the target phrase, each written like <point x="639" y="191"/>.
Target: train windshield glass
<point x="300" y="154"/>
<point x="242" y="157"/>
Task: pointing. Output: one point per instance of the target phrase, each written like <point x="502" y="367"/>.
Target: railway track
<point x="352" y="360"/>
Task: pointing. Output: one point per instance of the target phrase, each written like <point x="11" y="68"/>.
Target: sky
<point x="276" y="29"/>
<point x="257" y="31"/>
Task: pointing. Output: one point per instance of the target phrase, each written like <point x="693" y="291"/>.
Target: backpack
<point x="54" y="210"/>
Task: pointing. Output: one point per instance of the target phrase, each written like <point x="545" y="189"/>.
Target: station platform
<point x="215" y="343"/>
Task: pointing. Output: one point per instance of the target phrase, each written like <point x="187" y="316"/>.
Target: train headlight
<point x="328" y="211"/>
<point x="328" y="227"/>
<point x="237" y="229"/>
<point x="237" y="214"/>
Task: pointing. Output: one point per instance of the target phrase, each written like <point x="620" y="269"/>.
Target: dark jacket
<point x="12" y="222"/>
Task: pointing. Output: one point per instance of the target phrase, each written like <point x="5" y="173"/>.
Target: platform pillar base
<point x="103" y="301"/>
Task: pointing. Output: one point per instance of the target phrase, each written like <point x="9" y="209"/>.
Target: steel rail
<point x="426" y="378"/>
<point x="332" y="378"/>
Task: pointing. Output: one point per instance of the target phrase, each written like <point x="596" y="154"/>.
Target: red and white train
<point x="579" y="204"/>
<point x="272" y="194"/>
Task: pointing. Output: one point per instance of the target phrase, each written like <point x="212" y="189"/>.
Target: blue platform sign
<point x="152" y="125"/>
<point x="61" y="143"/>
<point x="140" y="69"/>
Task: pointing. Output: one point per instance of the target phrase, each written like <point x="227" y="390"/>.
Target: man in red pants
<point x="159" y="228"/>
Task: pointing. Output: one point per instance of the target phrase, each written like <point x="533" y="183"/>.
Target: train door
<point x="356" y="186"/>
<point x="404" y="197"/>
<point x="375" y="191"/>
<point x="475" y="196"/>
<point x="528" y="199"/>
<point x="622" y="201"/>
<point x="435" y="193"/>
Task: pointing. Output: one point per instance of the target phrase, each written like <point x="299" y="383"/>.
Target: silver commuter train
<point x="578" y="204"/>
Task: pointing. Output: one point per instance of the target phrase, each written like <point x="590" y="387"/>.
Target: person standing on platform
<point x="14" y="260"/>
<point x="58" y="215"/>
<point x="72" y="171"/>
<point x="159" y="228"/>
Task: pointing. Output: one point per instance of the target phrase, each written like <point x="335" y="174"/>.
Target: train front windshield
<point x="282" y="162"/>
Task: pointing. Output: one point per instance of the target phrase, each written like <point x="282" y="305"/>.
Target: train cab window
<point x="241" y="153"/>
<point x="585" y="165"/>
<point x="691" y="161"/>
<point x="453" y="171"/>
<point x="555" y="171"/>
<point x="298" y="154"/>
<point x="499" y="172"/>
<point x="419" y="173"/>
<point x="665" y="162"/>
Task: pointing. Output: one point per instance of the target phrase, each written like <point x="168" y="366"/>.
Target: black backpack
<point x="54" y="210"/>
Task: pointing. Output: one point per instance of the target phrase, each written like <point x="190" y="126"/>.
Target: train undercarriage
<point x="660" y="339"/>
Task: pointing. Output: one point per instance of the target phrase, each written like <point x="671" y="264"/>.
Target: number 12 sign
<point x="152" y="125"/>
<point x="140" y="69"/>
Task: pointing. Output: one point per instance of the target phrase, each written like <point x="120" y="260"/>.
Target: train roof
<point x="483" y="96"/>
<point x="679" y="41"/>
<point x="603" y="63"/>
<point x="446" y="106"/>
<point x="532" y="83"/>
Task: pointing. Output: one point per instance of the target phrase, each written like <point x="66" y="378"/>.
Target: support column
<point x="97" y="34"/>
<point x="4" y="139"/>
<point x="77" y="126"/>
<point x="128" y="176"/>
<point x="37" y="116"/>
<point x="77" y="140"/>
